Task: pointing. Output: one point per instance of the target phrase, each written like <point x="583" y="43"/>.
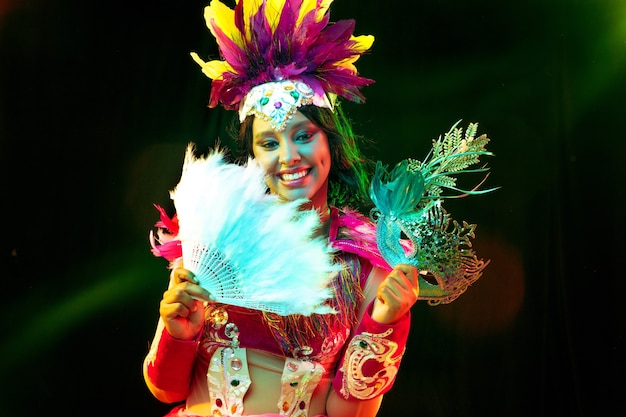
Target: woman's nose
<point x="289" y="154"/>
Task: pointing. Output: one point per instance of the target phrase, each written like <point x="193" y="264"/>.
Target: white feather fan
<point x="245" y="246"/>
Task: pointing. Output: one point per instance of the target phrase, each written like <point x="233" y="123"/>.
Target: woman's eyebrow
<point x="261" y="135"/>
<point x="270" y="132"/>
<point x="302" y="124"/>
<point x="264" y="134"/>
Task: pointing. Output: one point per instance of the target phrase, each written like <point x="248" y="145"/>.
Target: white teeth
<point x="294" y="176"/>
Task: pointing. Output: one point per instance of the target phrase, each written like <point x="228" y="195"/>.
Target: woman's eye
<point x="303" y="136"/>
<point x="268" y="144"/>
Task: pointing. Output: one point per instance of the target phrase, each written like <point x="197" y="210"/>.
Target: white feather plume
<point x="245" y="246"/>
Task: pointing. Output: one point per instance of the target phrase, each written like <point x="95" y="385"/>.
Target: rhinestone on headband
<point x="276" y="101"/>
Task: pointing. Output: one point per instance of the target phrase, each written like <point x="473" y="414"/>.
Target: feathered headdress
<point x="278" y="55"/>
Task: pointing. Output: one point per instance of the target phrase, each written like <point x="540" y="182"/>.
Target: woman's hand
<point x="396" y="294"/>
<point x="182" y="306"/>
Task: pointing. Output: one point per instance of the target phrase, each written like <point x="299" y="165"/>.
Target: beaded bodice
<point x="311" y="346"/>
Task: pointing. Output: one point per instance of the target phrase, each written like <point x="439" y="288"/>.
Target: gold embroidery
<point x="364" y="348"/>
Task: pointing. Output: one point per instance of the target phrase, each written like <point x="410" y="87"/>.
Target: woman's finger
<point x="183" y="275"/>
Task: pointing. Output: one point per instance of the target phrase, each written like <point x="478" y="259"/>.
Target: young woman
<point x="283" y="68"/>
<point x="334" y="364"/>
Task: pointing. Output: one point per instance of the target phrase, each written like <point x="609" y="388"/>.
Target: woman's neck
<point x="324" y="229"/>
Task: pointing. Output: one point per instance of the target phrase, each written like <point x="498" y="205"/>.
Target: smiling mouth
<point x="294" y="176"/>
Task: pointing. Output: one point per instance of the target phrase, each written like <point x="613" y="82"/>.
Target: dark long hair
<point x="350" y="170"/>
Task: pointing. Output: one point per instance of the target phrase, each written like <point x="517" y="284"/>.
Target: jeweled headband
<point x="278" y="55"/>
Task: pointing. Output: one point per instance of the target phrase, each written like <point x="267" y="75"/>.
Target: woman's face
<point x="297" y="160"/>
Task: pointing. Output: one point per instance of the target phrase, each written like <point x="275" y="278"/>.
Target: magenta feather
<point x="239" y="22"/>
<point x="231" y="52"/>
<point x="333" y="43"/>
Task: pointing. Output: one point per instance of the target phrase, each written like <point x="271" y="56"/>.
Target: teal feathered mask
<point x="408" y="206"/>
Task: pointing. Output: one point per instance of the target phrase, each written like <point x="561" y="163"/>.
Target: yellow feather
<point x="362" y="43"/>
<point x="347" y="64"/>
<point x="308" y="5"/>
<point x="273" y="9"/>
<point x="217" y="14"/>
<point x="250" y="8"/>
<point x="321" y="11"/>
<point x="212" y="69"/>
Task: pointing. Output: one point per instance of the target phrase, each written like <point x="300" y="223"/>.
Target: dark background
<point x="98" y="101"/>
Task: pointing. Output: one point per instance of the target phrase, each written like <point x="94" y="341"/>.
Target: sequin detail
<point x="218" y="317"/>
<point x="299" y="380"/>
<point x="228" y="385"/>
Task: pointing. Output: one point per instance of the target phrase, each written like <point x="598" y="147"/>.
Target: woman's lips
<point x="294" y="178"/>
